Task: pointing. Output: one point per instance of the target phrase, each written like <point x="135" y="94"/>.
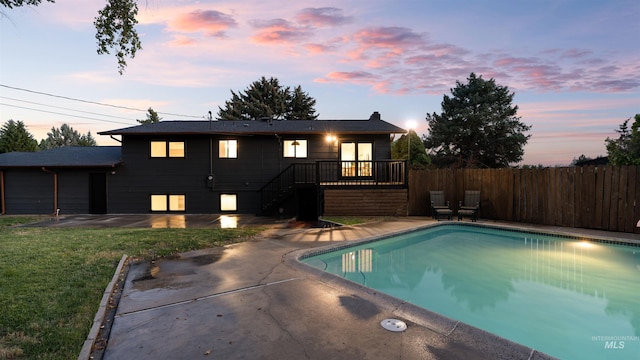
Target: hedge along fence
<point x="603" y="197"/>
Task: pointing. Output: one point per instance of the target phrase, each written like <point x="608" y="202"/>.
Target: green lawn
<point x="52" y="280"/>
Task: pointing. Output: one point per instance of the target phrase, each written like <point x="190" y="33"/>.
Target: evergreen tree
<point x="418" y="156"/>
<point x="301" y="106"/>
<point x="152" y="117"/>
<point x="478" y="127"/>
<point x="625" y="150"/>
<point x="66" y="136"/>
<point x="266" y="98"/>
<point x="14" y="136"/>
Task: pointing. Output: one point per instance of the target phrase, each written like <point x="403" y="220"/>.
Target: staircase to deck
<point x="284" y="185"/>
<point x="331" y="174"/>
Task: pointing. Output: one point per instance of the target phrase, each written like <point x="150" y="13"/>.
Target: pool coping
<point x="443" y="325"/>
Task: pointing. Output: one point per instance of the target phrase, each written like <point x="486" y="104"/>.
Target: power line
<point x="57" y="113"/>
<point x="63" y="108"/>
<point x="93" y="102"/>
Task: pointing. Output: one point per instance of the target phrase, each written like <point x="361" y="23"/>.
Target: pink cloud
<point x="396" y="38"/>
<point x="182" y="41"/>
<point x="516" y="61"/>
<point x="437" y="55"/>
<point x="326" y="47"/>
<point x="326" y="16"/>
<point x="350" y="75"/>
<point x="278" y="31"/>
<point x="405" y="61"/>
<point x="317" y="48"/>
<point x="354" y="77"/>
<point x="211" y="22"/>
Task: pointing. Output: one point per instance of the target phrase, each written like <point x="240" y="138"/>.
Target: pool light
<point x="394" y="325"/>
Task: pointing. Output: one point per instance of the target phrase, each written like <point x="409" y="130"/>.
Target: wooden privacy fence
<point x="603" y="197"/>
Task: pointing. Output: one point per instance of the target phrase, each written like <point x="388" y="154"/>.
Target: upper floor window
<point x="296" y="148"/>
<point x="356" y="159"/>
<point x="228" y="148"/>
<point x="162" y="149"/>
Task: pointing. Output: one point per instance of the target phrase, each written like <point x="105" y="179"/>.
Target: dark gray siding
<point x="31" y="191"/>
<point x="73" y="191"/>
<point x="28" y="191"/>
<point x="140" y="176"/>
<point x="259" y="160"/>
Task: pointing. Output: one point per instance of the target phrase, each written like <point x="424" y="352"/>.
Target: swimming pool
<point x="564" y="296"/>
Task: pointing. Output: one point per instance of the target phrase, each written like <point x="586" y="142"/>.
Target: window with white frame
<point x="228" y="149"/>
<point x="296" y="148"/>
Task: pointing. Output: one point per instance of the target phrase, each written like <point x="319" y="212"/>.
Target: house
<point x="269" y="167"/>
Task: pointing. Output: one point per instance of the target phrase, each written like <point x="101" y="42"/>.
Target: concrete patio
<point x="254" y="300"/>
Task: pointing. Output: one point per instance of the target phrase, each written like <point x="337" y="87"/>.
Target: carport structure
<point x="69" y="179"/>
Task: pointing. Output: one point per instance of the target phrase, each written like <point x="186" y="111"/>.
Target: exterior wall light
<point x="331" y="138"/>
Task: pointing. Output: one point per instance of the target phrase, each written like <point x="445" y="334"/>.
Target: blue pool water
<point x="569" y="298"/>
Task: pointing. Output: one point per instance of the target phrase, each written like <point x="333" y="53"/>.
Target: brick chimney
<point x="375" y="116"/>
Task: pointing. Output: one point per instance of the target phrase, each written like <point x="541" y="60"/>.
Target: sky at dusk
<point x="573" y="65"/>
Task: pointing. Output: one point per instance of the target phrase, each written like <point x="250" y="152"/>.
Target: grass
<point x="52" y="280"/>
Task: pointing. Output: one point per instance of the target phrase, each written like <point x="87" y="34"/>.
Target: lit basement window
<point x="163" y="202"/>
<point x="158" y="202"/>
<point x="228" y="202"/>
<point x="176" y="202"/>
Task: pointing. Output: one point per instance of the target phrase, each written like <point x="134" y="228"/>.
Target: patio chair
<point x="439" y="206"/>
<point x="471" y="205"/>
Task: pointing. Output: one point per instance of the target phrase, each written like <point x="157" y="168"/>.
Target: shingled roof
<point x="374" y="125"/>
<point x="67" y="156"/>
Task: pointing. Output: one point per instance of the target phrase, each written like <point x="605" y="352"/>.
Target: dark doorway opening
<point x="307" y="204"/>
<point x="98" y="193"/>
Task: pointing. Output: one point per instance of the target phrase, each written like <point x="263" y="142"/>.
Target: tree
<point x="152" y="117"/>
<point x="115" y="27"/>
<point x="17" y="3"/>
<point x="580" y="160"/>
<point x="625" y="150"/>
<point x="15" y="137"/>
<point x="268" y="99"/>
<point x="418" y="158"/>
<point x="584" y="160"/>
<point x="301" y="105"/>
<point x="66" y="136"/>
<point x="478" y="127"/>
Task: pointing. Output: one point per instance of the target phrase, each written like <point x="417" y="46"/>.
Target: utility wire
<point x="63" y="108"/>
<point x="57" y="113"/>
<point x="93" y="102"/>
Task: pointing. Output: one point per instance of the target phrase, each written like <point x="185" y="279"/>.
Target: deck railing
<point x="331" y="173"/>
<point x="361" y="173"/>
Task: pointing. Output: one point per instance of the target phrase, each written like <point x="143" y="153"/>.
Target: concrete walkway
<point x="254" y="301"/>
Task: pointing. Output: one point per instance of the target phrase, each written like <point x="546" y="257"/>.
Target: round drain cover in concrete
<point x="393" y="325"/>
